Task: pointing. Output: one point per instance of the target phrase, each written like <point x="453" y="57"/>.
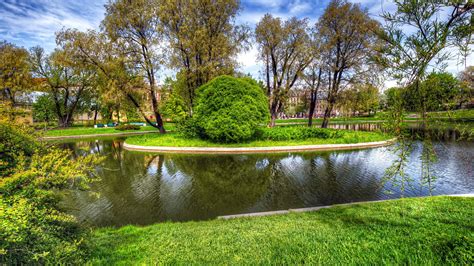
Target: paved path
<point x="257" y="214"/>
<point x="238" y="150"/>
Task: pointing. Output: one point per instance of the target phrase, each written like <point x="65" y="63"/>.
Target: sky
<point x="29" y="23"/>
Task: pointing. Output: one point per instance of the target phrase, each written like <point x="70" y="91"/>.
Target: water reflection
<point x="141" y="188"/>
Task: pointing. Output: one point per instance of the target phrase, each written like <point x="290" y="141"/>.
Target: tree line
<point x="345" y="51"/>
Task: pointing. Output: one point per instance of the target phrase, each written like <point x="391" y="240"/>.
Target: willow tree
<point x="284" y="50"/>
<point x="204" y="40"/>
<point x="135" y="24"/>
<point x="420" y="35"/>
<point x="347" y="45"/>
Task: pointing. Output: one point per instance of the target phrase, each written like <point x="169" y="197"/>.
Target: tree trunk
<point x="64" y="121"/>
<point x="274" y="108"/>
<point x="327" y="114"/>
<point x="95" y="116"/>
<point x="312" y="106"/>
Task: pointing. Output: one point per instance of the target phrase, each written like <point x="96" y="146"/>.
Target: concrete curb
<point x="239" y="150"/>
<point x="311" y="209"/>
<point x="98" y="135"/>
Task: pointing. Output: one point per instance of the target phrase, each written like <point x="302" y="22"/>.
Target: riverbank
<point x="435" y="230"/>
<point x="346" y="139"/>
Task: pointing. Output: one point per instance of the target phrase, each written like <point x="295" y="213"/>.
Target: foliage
<point x="15" y="143"/>
<point x="229" y="109"/>
<point x="33" y="227"/>
<point x="68" y="80"/>
<point x="297" y="133"/>
<point x="124" y="127"/>
<point x="174" y="107"/>
<point x="135" y="24"/>
<point x="43" y="109"/>
<point x="347" y="45"/>
<point x="15" y="76"/>
<point x="204" y="41"/>
<point x="438" y="92"/>
<point x="360" y="98"/>
<point x="417" y="231"/>
<point x="284" y="48"/>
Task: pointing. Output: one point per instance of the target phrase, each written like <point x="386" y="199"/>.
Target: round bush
<point x="230" y="109"/>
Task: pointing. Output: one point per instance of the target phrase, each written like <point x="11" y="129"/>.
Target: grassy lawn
<point x="73" y="131"/>
<point x="175" y="140"/>
<point x="432" y="231"/>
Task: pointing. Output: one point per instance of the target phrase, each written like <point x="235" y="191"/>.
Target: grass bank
<point x="437" y="230"/>
<point x="176" y="140"/>
<point x="76" y="131"/>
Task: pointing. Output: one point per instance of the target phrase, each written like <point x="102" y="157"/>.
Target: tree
<point x="118" y="74"/>
<point x="204" y="40"/>
<point x="14" y="71"/>
<point x="69" y="82"/>
<point x="230" y="109"/>
<point x="43" y="109"/>
<point x="313" y="77"/>
<point x="135" y="24"/>
<point x="348" y="40"/>
<point x="433" y="27"/>
<point x="284" y="50"/>
<point x="360" y="98"/>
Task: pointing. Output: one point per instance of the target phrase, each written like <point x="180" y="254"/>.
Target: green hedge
<point x="297" y="133"/>
<point x="229" y="110"/>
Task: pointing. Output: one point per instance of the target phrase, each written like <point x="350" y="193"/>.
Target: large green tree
<point x="69" y="81"/>
<point x="135" y="24"/>
<point x="204" y="40"/>
<point x="284" y="48"/>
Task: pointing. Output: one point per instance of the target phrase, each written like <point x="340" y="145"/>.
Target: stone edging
<point x="98" y="135"/>
<point x="238" y="150"/>
<point x="310" y="209"/>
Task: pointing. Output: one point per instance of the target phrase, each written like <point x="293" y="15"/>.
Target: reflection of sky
<point x="29" y="23"/>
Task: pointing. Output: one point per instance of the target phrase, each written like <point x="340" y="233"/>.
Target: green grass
<point x="380" y="116"/>
<point x="427" y="231"/>
<point x="75" y="131"/>
<point x="176" y="140"/>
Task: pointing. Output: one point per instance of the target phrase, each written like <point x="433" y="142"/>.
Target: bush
<point x="127" y="127"/>
<point x="33" y="228"/>
<point x="229" y="109"/>
<point x="297" y="133"/>
<point x="15" y="142"/>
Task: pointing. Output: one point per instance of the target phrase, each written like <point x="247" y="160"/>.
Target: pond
<point x="145" y="188"/>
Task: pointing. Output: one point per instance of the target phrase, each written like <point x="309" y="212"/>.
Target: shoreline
<point x="249" y="150"/>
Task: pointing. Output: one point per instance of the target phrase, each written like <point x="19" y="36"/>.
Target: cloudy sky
<point x="29" y="23"/>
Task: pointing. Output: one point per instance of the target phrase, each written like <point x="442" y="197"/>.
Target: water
<point x="144" y="188"/>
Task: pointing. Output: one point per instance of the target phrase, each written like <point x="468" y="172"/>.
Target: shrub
<point x="15" y="142"/>
<point x="297" y="133"/>
<point x="124" y="127"/>
<point x="33" y="229"/>
<point x="229" y="109"/>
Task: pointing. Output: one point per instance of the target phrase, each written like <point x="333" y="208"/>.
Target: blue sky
<point x="29" y="23"/>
